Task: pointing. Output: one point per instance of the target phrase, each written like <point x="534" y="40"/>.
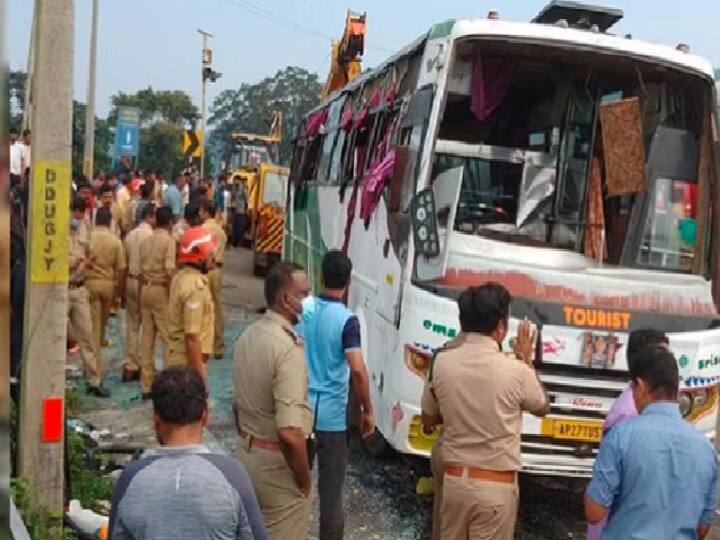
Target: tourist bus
<point x="575" y="167"/>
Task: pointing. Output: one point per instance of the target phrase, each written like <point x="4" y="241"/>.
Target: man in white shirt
<point x="25" y="156"/>
<point x="15" y="158"/>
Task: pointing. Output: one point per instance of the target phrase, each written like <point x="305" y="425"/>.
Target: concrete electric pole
<point x="42" y="403"/>
<point x="207" y="74"/>
<point x="89" y="152"/>
<point x="206" y="65"/>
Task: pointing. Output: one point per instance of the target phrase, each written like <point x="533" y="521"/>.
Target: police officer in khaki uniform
<point x="479" y="394"/>
<point x="157" y="267"/>
<point x="190" y="308"/>
<point x="131" y="367"/>
<point x="271" y="406"/>
<point x="104" y="279"/>
<point x="207" y="215"/>
<point x="79" y="319"/>
<point x="107" y="200"/>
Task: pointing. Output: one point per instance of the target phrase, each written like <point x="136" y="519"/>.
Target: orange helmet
<point x="196" y="245"/>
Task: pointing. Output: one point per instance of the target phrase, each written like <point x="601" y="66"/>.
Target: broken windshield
<point x="560" y="148"/>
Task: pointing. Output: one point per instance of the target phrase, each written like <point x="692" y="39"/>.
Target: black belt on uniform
<point x="76" y="284"/>
<point x="133" y="276"/>
<point x="158" y="283"/>
<point x="218" y="264"/>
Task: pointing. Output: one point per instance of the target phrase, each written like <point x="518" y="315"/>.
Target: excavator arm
<point x="346" y="55"/>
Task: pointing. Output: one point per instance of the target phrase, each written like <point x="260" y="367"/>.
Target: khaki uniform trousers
<point x="476" y="509"/>
<point x="215" y="282"/>
<point x="285" y="509"/>
<point x="80" y="328"/>
<point x="154" y="314"/>
<point x="436" y="465"/>
<point x="102" y="295"/>
<point x="132" y="324"/>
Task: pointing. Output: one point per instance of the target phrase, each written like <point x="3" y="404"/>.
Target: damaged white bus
<point x="576" y="167"/>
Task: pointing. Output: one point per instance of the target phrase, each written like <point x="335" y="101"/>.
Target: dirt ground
<point x="380" y="499"/>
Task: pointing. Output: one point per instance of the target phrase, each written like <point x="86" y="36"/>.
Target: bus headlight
<point x="685" y="402"/>
<point x="417" y="359"/>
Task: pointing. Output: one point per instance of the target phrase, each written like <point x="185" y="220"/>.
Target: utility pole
<point x="89" y="152"/>
<point x="207" y="74"/>
<point x="42" y="403"/>
<point x="206" y="64"/>
<point x="29" y="71"/>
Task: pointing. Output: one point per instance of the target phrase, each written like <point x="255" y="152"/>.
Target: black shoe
<point x="146" y="397"/>
<point x="98" y="391"/>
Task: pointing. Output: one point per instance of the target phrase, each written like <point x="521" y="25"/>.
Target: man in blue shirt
<point x="332" y="349"/>
<point x="174" y="198"/>
<point x="655" y="475"/>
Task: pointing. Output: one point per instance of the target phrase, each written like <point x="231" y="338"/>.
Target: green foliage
<point x="39" y="521"/>
<point x="88" y="485"/>
<point x="16" y="90"/>
<point x="171" y="106"/>
<point x="164" y="114"/>
<point x="292" y="90"/>
<point x="103" y="140"/>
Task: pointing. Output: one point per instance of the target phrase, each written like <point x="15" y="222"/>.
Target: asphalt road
<point x="380" y="500"/>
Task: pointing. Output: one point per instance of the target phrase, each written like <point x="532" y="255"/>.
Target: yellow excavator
<point x="346" y="54"/>
<point x="255" y="158"/>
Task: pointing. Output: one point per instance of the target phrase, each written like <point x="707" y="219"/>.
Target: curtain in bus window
<point x="378" y="176"/>
<point x="489" y="84"/>
<point x="314" y="122"/>
<point x="594" y="239"/>
<point x="623" y="147"/>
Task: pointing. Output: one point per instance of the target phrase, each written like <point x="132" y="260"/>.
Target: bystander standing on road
<point x="207" y="215"/>
<point x="80" y="326"/>
<point x="104" y="279"/>
<point x="190" y="304"/>
<point x="16" y="170"/>
<point x="655" y="475"/>
<point x="173" y="197"/>
<point x="26" y="155"/>
<point x="182" y="490"/>
<point x="128" y="217"/>
<point x="623" y="408"/>
<point x="271" y="406"/>
<point x="479" y="394"/>
<point x="240" y="217"/>
<point x="146" y="191"/>
<point x="133" y="316"/>
<point x="157" y="267"/>
<point x="334" y="356"/>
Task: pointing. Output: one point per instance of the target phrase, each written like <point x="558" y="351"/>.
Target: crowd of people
<point x="157" y="250"/>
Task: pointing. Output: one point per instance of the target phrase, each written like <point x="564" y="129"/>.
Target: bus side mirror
<point x="423" y="218"/>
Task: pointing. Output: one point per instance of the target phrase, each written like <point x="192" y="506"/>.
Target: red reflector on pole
<point x="52" y="420"/>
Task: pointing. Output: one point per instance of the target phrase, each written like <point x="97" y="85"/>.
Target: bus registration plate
<point x="574" y="430"/>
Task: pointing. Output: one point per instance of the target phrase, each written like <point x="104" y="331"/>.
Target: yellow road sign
<point x="192" y="143"/>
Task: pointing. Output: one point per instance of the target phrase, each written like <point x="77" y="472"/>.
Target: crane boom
<point x="346" y="54"/>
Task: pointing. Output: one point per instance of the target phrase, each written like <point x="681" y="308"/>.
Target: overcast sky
<point x="155" y="42"/>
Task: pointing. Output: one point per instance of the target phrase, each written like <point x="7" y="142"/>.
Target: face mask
<point x="75" y="224"/>
<point x="295" y="306"/>
<point x="307" y="306"/>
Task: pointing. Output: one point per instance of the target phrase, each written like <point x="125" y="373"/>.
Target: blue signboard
<point x="127" y="132"/>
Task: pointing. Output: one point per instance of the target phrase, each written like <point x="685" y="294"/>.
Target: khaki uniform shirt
<point x="190" y="310"/>
<point x="79" y="245"/>
<point x="271" y="379"/>
<point x="179" y="229"/>
<point x="481" y="393"/>
<point x="132" y="248"/>
<point x="220" y="238"/>
<point x="107" y="255"/>
<point x="116" y="218"/>
<point x="128" y="217"/>
<point x="157" y="257"/>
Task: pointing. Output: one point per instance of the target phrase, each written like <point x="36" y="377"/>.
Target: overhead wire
<point x="263" y="13"/>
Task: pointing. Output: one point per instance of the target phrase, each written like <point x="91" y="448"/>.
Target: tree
<point x="103" y="140"/>
<point x="173" y="106"/>
<point x="292" y="90"/>
<point x="164" y="114"/>
<point x="16" y="89"/>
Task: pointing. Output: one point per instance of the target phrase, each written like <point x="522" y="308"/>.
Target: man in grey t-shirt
<point x="181" y="490"/>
